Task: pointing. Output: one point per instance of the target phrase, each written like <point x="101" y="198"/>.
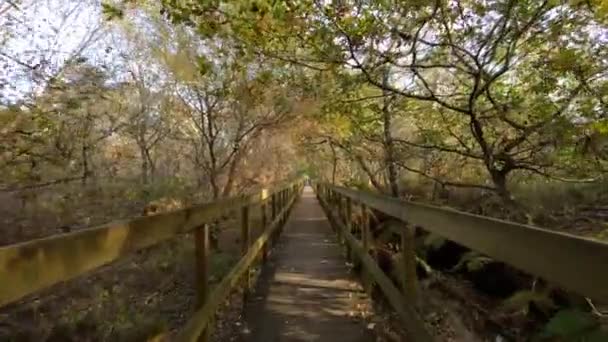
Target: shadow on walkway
<point x="305" y="291"/>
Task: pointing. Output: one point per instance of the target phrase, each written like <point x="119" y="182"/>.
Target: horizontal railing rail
<point x="28" y="267"/>
<point x="198" y="325"/>
<point x="572" y="262"/>
<point x="414" y="326"/>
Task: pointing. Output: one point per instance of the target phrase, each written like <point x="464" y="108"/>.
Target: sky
<point x="37" y="38"/>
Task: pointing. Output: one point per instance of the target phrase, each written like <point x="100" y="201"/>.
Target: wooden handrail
<point x="415" y="328"/>
<point x="31" y="266"/>
<point x="198" y="324"/>
<point x="572" y="262"/>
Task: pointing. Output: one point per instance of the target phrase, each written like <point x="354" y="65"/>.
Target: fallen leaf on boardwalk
<point x="324" y="261"/>
<point x="371" y="326"/>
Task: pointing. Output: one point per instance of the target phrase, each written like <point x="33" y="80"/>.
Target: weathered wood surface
<point x="202" y="253"/>
<point x="307" y="292"/>
<point x="410" y="319"/>
<point x="34" y="265"/>
<point x="573" y="262"/>
<point x="201" y="318"/>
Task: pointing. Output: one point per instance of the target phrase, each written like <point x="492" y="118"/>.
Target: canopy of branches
<point x="426" y="95"/>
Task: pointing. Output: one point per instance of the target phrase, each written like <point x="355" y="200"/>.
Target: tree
<point x="149" y="119"/>
<point x="504" y="71"/>
<point x="55" y="138"/>
<point x="38" y="39"/>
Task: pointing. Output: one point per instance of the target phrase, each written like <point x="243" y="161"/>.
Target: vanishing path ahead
<point x="306" y="292"/>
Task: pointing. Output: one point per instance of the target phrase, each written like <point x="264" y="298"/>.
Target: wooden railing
<point x="574" y="263"/>
<point x="28" y="267"/>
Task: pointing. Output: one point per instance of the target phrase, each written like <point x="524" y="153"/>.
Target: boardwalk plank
<point x="306" y="292"/>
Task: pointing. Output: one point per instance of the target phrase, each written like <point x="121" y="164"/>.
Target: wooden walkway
<point x="306" y="292"/>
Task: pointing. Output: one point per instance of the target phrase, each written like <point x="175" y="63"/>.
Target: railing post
<point x="338" y="199"/>
<point x="285" y="200"/>
<point x="273" y="215"/>
<point x="202" y="251"/>
<point x="409" y="280"/>
<point x="366" y="241"/>
<point x="365" y="233"/>
<point x="273" y="200"/>
<point x="281" y="207"/>
<point x="246" y="243"/>
<point x="348" y="222"/>
<point x="340" y="207"/>
<point x="266" y="248"/>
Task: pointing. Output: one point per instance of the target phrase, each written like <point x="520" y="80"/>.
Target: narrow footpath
<point x="306" y="292"/>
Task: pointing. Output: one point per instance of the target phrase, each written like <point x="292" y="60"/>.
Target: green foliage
<point x="111" y="11"/>
<point x="574" y="325"/>
<point x="472" y="261"/>
<point x="521" y="301"/>
<point x="356" y="184"/>
<point x="526" y="100"/>
<point x="204" y="66"/>
<point x="601" y="126"/>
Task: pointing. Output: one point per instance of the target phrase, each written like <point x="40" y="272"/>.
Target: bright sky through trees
<point x="38" y="37"/>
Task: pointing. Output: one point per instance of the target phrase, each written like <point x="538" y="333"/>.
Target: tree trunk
<point x="334" y="165"/>
<point x="499" y="178"/>
<point x="389" y="145"/>
<point x="393" y="177"/>
<point x="372" y="178"/>
<point x="144" y="166"/>
<point x="214" y="188"/>
<point x="232" y="173"/>
<point x="85" y="164"/>
<point x="151" y="165"/>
